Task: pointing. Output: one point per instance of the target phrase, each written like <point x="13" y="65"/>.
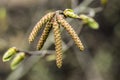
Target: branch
<point x="40" y="53"/>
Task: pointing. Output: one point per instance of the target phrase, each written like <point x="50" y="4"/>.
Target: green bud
<point x="84" y="18"/>
<point x="18" y="58"/>
<point x="70" y="13"/>
<point x="9" y="54"/>
<point x="89" y="21"/>
<point x="93" y="24"/>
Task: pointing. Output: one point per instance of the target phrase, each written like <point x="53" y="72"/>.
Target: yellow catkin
<point x="44" y="35"/>
<point x="58" y="44"/>
<point x="71" y="31"/>
<point x="38" y="26"/>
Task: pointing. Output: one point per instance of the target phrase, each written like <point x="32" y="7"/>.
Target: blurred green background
<point x="99" y="61"/>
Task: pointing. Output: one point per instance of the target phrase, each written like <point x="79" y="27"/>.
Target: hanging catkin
<point x="44" y="35"/>
<point x="71" y="31"/>
<point x="38" y="26"/>
<point x="58" y="43"/>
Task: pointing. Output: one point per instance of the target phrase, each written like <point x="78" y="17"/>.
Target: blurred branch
<point x="74" y="3"/>
<point x="88" y="65"/>
<point x="92" y="11"/>
<point x="40" y="53"/>
<point x="82" y="7"/>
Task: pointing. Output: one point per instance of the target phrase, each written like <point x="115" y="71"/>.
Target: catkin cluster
<point x="55" y="20"/>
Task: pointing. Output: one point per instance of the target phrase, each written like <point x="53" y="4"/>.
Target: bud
<point x="89" y="21"/>
<point x="93" y="24"/>
<point x="9" y="54"/>
<point x="58" y="43"/>
<point x="70" y="13"/>
<point x="18" y="58"/>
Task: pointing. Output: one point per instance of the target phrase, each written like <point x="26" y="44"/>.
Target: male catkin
<point x="44" y="35"/>
<point x="38" y="26"/>
<point x="58" y="43"/>
<point x="71" y="31"/>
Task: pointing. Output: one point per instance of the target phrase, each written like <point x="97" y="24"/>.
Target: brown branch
<point x="42" y="52"/>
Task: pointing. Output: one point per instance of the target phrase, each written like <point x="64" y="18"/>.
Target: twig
<point x="92" y="11"/>
<point x="41" y="52"/>
<point x="82" y="7"/>
<point x="74" y="3"/>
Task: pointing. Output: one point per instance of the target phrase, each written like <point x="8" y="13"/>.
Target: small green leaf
<point x="18" y="59"/>
<point x="9" y="54"/>
<point x="93" y="25"/>
<point x="89" y="21"/>
<point x="70" y="13"/>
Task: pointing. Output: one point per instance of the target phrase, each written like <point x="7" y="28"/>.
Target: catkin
<point x="38" y="26"/>
<point x="58" y="44"/>
<point x="71" y="31"/>
<point x="44" y="35"/>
